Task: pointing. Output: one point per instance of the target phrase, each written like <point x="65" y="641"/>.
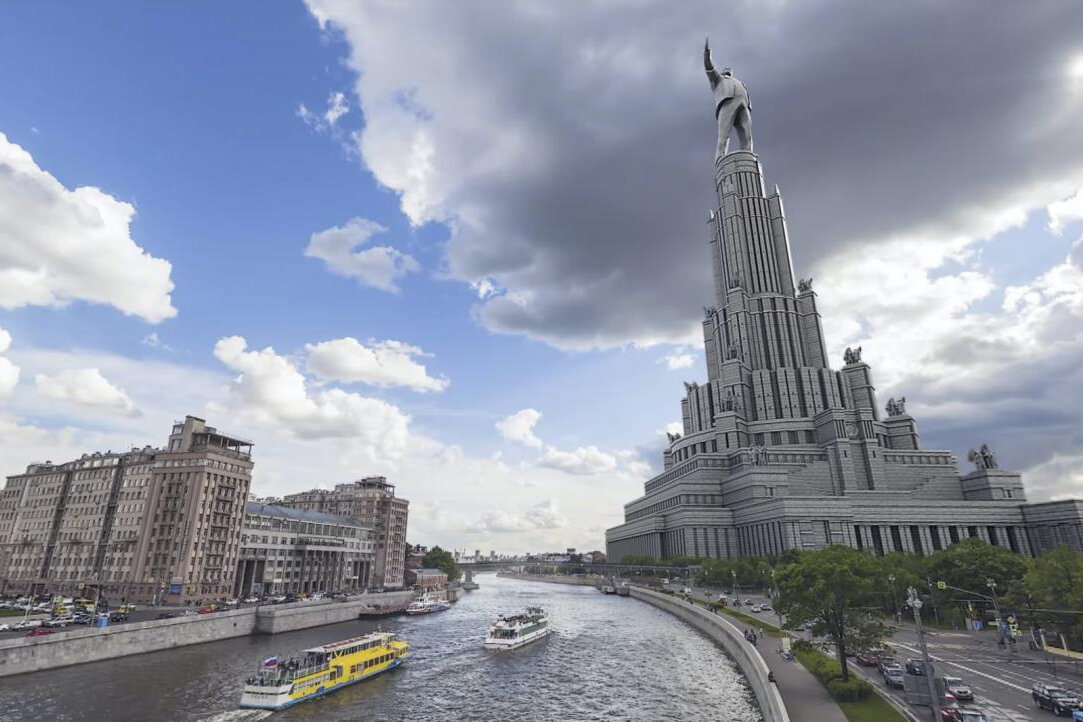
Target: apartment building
<point x="147" y="525"/>
<point x="371" y="500"/>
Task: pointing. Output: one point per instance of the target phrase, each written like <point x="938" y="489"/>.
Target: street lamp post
<point x="736" y="592"/>
<point x="894" y="598"/>
<point x="934" y="703"/>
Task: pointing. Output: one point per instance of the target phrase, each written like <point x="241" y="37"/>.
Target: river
<point x="611" y="658"/>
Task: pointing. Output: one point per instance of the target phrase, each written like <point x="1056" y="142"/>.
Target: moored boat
<point x="427" y="605"/>
<point x="518" y="630"/>
<point x="321" y="670"/>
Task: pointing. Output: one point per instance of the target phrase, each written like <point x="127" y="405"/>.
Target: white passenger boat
<point x="427" y="605"/>
<point x="521" y="629"/>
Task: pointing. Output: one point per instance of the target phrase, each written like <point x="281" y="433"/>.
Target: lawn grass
<point x="874" y="708"/>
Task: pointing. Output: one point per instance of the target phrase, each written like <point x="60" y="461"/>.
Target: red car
<point x="208" y="610"/>
<point x="39" y="632"/>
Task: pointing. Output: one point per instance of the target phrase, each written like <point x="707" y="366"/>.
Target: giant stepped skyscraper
<point x="780" y="451"/>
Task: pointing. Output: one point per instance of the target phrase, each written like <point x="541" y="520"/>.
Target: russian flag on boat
<point x="270" y="662"/>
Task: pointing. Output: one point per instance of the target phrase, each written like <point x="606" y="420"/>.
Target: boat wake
<point x="240" y="715"/>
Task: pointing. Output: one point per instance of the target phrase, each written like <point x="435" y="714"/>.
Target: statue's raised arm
<point x="712" y="75"/>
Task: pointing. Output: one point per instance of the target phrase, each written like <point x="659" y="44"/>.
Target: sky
<point x="463" y="244"/>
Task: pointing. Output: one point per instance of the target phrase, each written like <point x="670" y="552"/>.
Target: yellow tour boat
<point x="321" y="670"/>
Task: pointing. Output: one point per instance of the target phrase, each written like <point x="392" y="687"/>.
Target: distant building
<point x="293" y="551"/>
<point x="373" y="501"/>
<point x="148" y="524"/>
<point x="426" y="579"/>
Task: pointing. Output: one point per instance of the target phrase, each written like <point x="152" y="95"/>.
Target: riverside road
<point x="610" y="658"/>
<point x="1000" y="679"/>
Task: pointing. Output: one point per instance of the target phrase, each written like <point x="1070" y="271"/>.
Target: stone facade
<point x="781" y="451"/>
<point x="373" y="501"/>
<point x="289" y="550"/>
<point x="149" y="524"/>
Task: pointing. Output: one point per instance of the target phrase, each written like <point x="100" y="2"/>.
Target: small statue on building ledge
<point x="672" y="437"/>
<point x="896" y="407"/>
<point x="758" y="455"/>
<point x="852" y="355"/>
<point x="805" y="284"/>
<point x="983" y="458"/>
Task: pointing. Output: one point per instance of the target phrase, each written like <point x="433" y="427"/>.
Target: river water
<point x="611" y="658"/>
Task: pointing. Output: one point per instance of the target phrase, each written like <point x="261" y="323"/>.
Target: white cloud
<point x="382" y="363"/>
<point x="676" y="361"/>
<point x="519" y="427"/>
<point x="272" y="392"/>
<point x="59" y="245"/>
<point x="544" y="515"/>
<point x="9" y="372"/>
<point x="337" y="106"/>
<point x="1065" y="212"/>
<point x="379" y="266"/>
<point x="1059" y="477"/>
<point x="583" y="461"/>
<point x="673" y="427"/>
<point x="153" y="341"/>
<point x="88" y="388"/>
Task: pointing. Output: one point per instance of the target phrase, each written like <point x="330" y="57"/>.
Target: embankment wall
<point x="724" y="632"/>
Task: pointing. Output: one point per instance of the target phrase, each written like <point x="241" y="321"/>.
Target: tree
<point x="970" y="563"/>
<point x="437" y="558"/>
<point x="1055" y="581"/>
<point x="833" y="590"/>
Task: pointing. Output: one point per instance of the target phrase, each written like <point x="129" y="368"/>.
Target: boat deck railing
<point x="284" y="674"/>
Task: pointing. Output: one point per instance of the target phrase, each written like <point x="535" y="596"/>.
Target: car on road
<point x="209" y="609"/>
<point x="251" y="600"/>
<point x="915" y="666"/>
<point x="5" y="627"/>
<point x="166" y="615"/>
<point x="39" y="632"/>
<point x="1055" y="698"/>
<point x="117" y="616"/>
<point x="869" y="658"/>
<point x="886" y="661"/>
<point x="765" y="607"/>
<point x="895" y="677"/>
<point x="755" y="608"/>
<point x="969" y="714"/>
<point x="58" y="622"/>
<point x="950" y="709"/>
<point x="958" y="689"/>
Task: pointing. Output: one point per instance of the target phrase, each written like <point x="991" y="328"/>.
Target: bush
<point x="855" y="690"/>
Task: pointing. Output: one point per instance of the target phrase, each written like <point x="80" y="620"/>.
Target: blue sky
<point x="548" y="174"/>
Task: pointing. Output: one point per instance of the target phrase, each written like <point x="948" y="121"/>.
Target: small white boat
<point x="519" y="630"/>
<point x="427" y="605"/>
<point x="609" y="589"/>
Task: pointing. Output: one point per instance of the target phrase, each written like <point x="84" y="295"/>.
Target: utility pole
<point x="934" y="700"/>
<point x="894" y="599"/>
<point x="736" y="593"/>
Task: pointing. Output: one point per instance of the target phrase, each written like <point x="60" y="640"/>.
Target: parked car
<point x="118" y="616"/>
<point x="1055" y="698"/>
<point x="251" y="600"/>
<point x="166" y="615"/>
<point x="39" y="632"/>
<point x="915" y="666"/>
<point x="894" y="677"/>
<point x="959" y="689"/>
<point x="869" y="657"/>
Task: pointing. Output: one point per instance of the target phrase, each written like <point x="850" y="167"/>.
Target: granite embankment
<point x="726" y="634"/>
<point x="30" y="654"/>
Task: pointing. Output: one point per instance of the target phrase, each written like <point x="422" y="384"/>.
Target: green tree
<point x="970" y="563"/>
<point x="833" y="590"/>
<point x="1055" y="581"/>
<point x="437" y="558"/>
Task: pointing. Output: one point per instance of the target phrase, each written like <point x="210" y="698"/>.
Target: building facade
<point x="147" y="525"/>
<point x="286" y="551"/>
<point x="782" y="451"/>
<point x="373" y="501"/>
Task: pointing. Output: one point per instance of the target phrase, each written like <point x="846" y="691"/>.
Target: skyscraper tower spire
<point x="778" y="450"/>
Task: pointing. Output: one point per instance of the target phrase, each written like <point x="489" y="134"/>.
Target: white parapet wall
<point x="727" y="634"/>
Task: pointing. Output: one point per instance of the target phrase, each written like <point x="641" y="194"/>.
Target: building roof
<point x="256" y="507"/>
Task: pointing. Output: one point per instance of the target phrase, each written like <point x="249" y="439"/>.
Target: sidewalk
<point x="806" y="699"/>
